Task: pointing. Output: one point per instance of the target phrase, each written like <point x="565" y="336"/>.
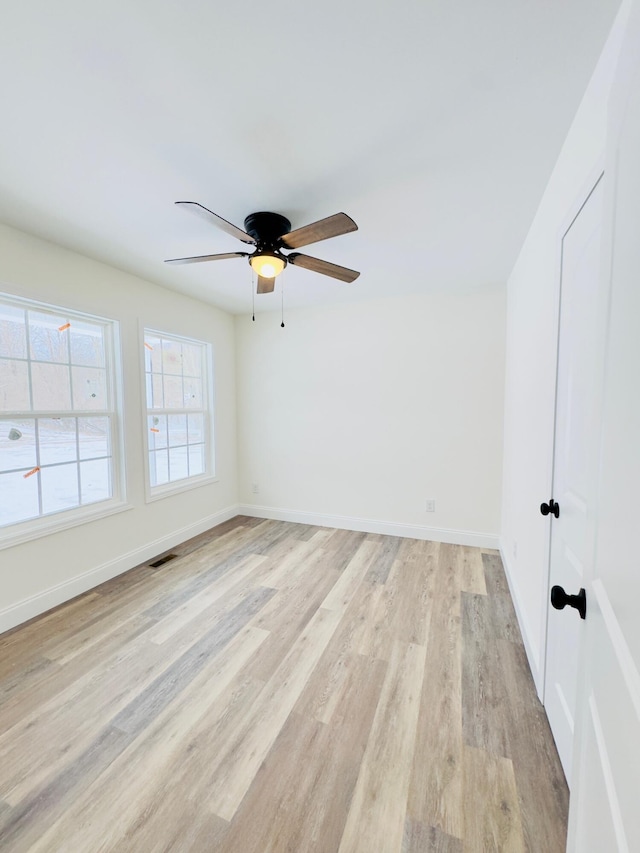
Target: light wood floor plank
<point x="300" y="796"/>
<point x="77" y="715"/>
<point x="20" y="646"/>
<point x="381" y="602"/>
<point x="166" y="628"/>
<point x="388" y="549"/>
<point x="152" y="755"/>
<point x="503" y="616"/>
<point x="324" y="691"/>
<point x="27" y="820"/>
<point x="419" y="838"/>
<point x="241" y="759"/>
<point x="437" y="786"/>
<point x="342" y="591"/>
<point x="494" y="824"/>
<point x="414" y="572"/>
<point x="533" y="755"/>
<point x="342" y="544"/>
<point x="289" y="612"/>
<point x="286" y="564"/>
<point x="378" y="808"/>
<point x="472" y="570"/>
<point x="137" y="715"/>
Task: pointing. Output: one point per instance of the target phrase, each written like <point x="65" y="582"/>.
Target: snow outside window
<point x="59" y="446"/>
<point x="178" y="427"/>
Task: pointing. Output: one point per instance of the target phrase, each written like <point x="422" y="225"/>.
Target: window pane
<point x="49" y="336"/>
<point x="87" y="344"/>
<point x="51" y="389"/>
<point x="196" y="428"/>
<point x="59" y="487"/>
<point x="192" y="360"/>
<point x="157" y="431"/>
<point x="178" y="463"/>
<point x="153" y="353"/>
<point x="178" y="386"/>
<point x="196" y="460"/>
<point x="156" y="400"/>
<point x="173" y="398"/>
<point x="192" y="393"/>
<point x="17" y="445"/>
<point x="94" y="437"/>
<point x="172" y="357"/>
<point x="177" y="430"/>
<point x="57" y="440"/>
<point x="95" y="481"/>
<point x="18" y="498"/>
<point x="13" y="337"/>
<point x="14" y="386"/>
<point x="158" y="467"/>
<point x="89" y="388"/>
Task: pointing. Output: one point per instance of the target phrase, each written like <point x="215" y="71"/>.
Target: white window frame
<point x="154" y="493"/>
<point x="46" y="524"/>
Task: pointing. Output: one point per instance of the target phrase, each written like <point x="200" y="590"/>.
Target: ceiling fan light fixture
<point x="267" y="264"/>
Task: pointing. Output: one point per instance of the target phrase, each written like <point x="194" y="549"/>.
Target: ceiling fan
<point x="270" y="233"/>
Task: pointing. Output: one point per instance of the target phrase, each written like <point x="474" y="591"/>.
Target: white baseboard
<point x="366" y="525"/>
<point x="26" y="609"/>
<point x="531" y="647"/>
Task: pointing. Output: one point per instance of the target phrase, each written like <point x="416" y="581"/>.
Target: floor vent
<point x="163" y="560"/>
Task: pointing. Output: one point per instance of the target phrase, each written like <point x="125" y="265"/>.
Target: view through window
<point x="56" y="411"/>
<point x="177" y="408"/>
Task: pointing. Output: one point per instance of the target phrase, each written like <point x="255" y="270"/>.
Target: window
<point x="58" y="420"/>
<point x="178" y="421"/>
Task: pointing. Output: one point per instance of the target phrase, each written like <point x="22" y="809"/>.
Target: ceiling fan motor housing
<point x="267" y="228"/>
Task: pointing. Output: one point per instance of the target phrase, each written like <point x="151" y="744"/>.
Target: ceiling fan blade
<point x="265" y="285"/>
<point x="332" y="226"/>
<point x="323" y="267"/>
<point x="213" y="219"/>
<point x="199" y="258"/>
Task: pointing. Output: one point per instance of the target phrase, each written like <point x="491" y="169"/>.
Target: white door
<point x="576" y="442"/>
<point x="605" y="798"/>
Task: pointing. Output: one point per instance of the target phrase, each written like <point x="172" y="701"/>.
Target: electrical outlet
<point x="431" y="506"/>
<point x="255" y="488"/>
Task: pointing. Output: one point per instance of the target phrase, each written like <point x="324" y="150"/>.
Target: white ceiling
<point x="433" y="123"/>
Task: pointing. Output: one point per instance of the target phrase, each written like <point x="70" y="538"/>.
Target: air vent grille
<point x="163" y="560"/>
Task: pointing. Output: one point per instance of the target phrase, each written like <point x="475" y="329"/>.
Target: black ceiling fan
<point x="270" y="233"/>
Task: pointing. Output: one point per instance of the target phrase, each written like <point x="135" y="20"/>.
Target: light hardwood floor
<point x="280" y="688"/>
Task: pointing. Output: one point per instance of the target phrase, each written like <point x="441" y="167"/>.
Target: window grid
<point x="90" y="487"/>
<point x="36" y="425"/>
<point x="161" y="458"/>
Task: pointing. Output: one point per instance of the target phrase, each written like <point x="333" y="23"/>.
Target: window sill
<point x="157" y="493"/>
<point x="39" y="527"/>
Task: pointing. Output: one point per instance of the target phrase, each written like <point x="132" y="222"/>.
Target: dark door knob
<point x="560" y="599"/>
<point x="552" y="506"/>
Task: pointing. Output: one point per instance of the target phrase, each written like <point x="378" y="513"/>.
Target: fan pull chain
<point x="253" y="295"/>
<point x="282" y="301"/>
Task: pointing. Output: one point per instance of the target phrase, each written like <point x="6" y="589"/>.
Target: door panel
<point x="575" y="445"/>
<point x="610" y="769"/>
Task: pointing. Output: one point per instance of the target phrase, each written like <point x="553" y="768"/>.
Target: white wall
<point x="532" y="316"/>
<point x="36" y="575"/>
<point x="354" y="414"/>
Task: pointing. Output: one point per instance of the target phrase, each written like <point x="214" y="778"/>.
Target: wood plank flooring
<point x="280" y="688"/>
